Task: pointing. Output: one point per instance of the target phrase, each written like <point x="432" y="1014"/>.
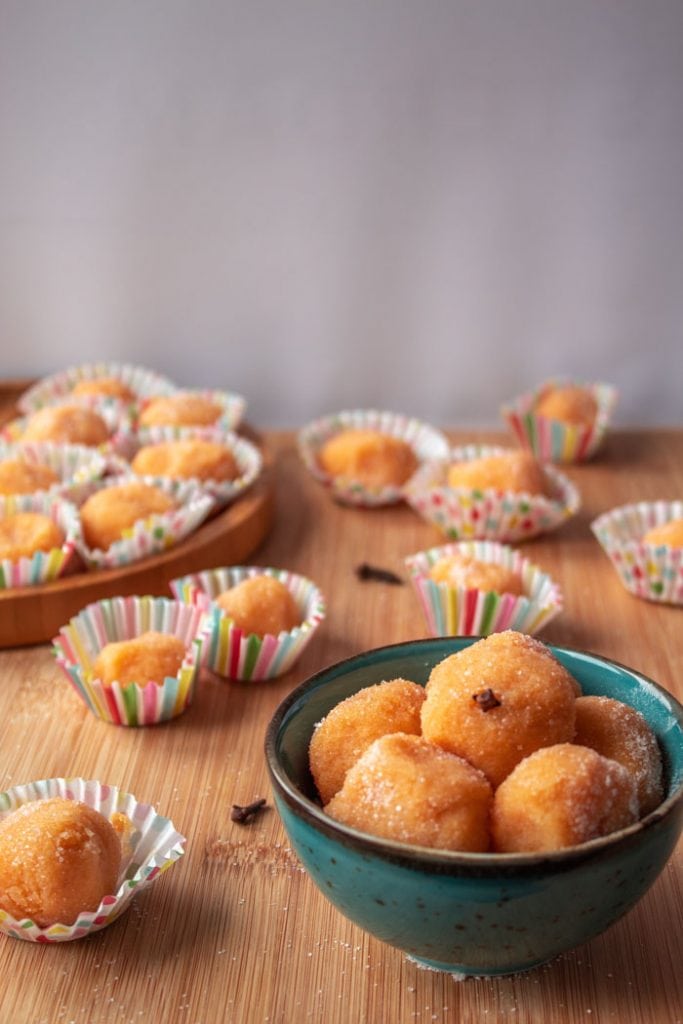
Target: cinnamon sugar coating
<point x="182" y="410"/>
<point x="260" y="604"/>
<point x="369" y="457"/>
<point x="67" y="424"/>
<point x="569" y="404"/>
<point x="24" y="533"/>
<point x="104" y="387"/>
<point x="187" y="459"/>
<point x="150" y="657"/>
<point x="462" y="570"/>
<point x="20" y="477"/>
<point x="517" y="472"/>
<point x="107" y="513"/>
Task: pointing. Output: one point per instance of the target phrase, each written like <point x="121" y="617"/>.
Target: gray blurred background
<point x="427" y="207"/>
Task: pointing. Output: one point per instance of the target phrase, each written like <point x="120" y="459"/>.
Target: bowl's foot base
<point x="462" y="971"/>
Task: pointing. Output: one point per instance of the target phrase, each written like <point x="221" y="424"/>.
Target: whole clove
<point x="244" y="815"/>
<point x="372" y="572"/>
<point x="486" y="700"/>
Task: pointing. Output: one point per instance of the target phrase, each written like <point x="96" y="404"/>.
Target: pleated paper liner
<point x="237" y="655"/>
<point x="58" y="387"/>
<point x="426" y="441"/>
<point x="119" y="419"/>
<point x="71" y="463"/>
<point x="553" y="440"/>
<point x="155" y="847"/>
<point x="232" y="408"/>
<point x="464" y="514"/>
<point x="43" y="566"/>
<point x="123" y="618"/>
<point x="458" y="611"/>
<point x="650" y="571"/>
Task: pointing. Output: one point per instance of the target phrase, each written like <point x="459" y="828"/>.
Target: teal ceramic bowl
<point x="465" y="913"/>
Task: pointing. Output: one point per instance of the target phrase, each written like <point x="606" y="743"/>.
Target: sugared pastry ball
<point x="20" y="477"/>
<point x="24" y="533"/>
<point x="183" y="410"/>
<point x="202" y="460"/>
<point x="516" y="472"/>
<point x="618" y="731"/>
<point x="569" y="404"/>
<point x="670" y="533"/>
<point x="150" y="657"/>
<point x="405" y="789"/>
<point x="107" y="513"/>
<point x="66" y="424"/>
<point x="58" y="859"/>
<point x="103" y="387"/>
<point x="371" y="458"/>
<point x="462" y="570"/>
<point x="561" y="796"/>
<point x="260" y="604"/>
<point x="497" y="701"/>
<point x="352" y="725"/>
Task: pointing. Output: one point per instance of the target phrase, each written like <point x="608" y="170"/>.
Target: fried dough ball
<point x="569" y="404"/>
<point x="66" y="424"/>
<point x="516" y="472"/>
<point x="22" y="534"/>
<point x="462" y="570"/>
<point x="352" y="725"/>
<point x="561" y="796"/>
<point x="107" y="513"/>
<point x="20" y="477"/>
<point x="406" y="789"/>
<point x="497" y="701"/>
<point x="183" y="410"/>
<point x="670" y="533"/>
<point x="619" y="732"/>
<point x="150" y="657"/>
<point x="202" y="460"/>
<point x="373" y="459"/>
<point x="58" y="859"/>
<point x="103" y="387"/>
<point x="260" y="604"/>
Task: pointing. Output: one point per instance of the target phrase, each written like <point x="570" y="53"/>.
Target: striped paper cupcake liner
<point x="155" y="846"/>
<point x="552" y="440"/>
<point x="463" y="514"/>
<point x="141" y="381"/>
<point x="426" y="441"/>
<point x="123" y="618"/>
<point x="71" y="463"/>
<point x="459" y="611"/>
<point x="651" y="571"/>
<point x="118" y="418"/>
<point x="43" y="566"/>
<point x="246" y="656"/>
<point x="232" y="407"/>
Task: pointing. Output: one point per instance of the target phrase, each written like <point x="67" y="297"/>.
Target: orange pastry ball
<point x="107" y="513"/>
<point x="58" y="859"/>
<point x="516" y="472"/>
<point x="66" y="424"/>
<point x="260" y="604"/>
<point x="352" y="725"/>
<point x="670" y="533"/>
<point x="24" y="533"/>
<point x="150" y="657"/>
<point x="182" y="410"/>
<point x="569" y="404"/>
<point x="202" y="460"/>
<point x="618" y="731"/>
<point x="497" y="701"/>
<point x="104" y="387"/>
<point x="462" y="570"/>
<point x="19" y="477"/>
<point x="405" y="789"/>
<point x="561" y="796"/>
<point x="373" y="459"/>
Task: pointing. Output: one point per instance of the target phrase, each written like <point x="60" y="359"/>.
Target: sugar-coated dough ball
<point x="569" y="404"/>
<point x="515" y="472"/>
<point x="183" y="410"/>
<point x="107" y="513"/>
<point x="618" y="731"/>
<point x="150" y="657"/>
<point x="24" y="533"/>
<point x="373" y="459"/>
<point x="464" y="571"/>
<point x="561" y="796"/>
<point x="497" y="701"/>
<point x="58" y="859"/>
<point x="260" y="604"/>
<point x="406" y="789"/>
<point x="670" y="533"/>
<point x="202" y="460"/>
<point x="104" y="387"/>
<point x="20" y="477"/>
<point x="353" y="724"/>
<point x="66" y="424"/>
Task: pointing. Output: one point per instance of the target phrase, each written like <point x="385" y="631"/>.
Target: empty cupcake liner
<point x="232" y="405"/>
<point x="119" y="419"/>
<point x="458" y="611"/>
<point x="426" y="441"/>
<point x="43" y="566"/>
<point x="71" y="463"/>
<point x="246" y="656"/>
<point x="123" y="618"/>
<point x="651" y="571"/>
<point x="463" y="514"/>
<point x="155" y="847"/>
<point x="56" y="388"/>
<point x="552" y="440"/>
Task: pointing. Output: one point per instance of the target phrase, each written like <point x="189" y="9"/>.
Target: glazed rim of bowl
<point x="447" y="861"/>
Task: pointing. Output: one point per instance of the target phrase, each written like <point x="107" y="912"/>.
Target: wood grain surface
<point x="237" y="932"/>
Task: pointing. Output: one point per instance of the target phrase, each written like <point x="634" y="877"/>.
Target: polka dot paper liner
<point x="459" y="611"/>
<point x="232" y="408"/>
<point x="426" y="441"/>
<point x="122" y="618"/>
<point x="58" y="387"/>
<point x="43" y="566"/>
<point x="71" y="463"/>
<point x="155" y="846"/>
<point x="652" y="571"/>
<point x="553" y="440"/>
<point x="231" y="652"/>
<point x="464" y="514"/>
